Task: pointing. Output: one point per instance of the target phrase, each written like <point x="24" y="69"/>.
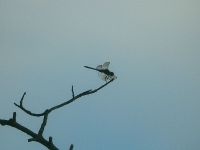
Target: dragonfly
<point x="104" y="73"/>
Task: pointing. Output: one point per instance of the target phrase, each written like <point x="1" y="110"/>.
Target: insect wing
<point x="103" y="76"/>
<point x="99" y="67"/>
<point x="106" y="65"/>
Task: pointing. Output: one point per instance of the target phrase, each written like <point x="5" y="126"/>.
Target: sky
<point x="153" y="47"/>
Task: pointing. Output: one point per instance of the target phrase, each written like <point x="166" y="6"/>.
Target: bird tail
<point x="91" y="68"/>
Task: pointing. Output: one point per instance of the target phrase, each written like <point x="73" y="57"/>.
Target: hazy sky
<point x="153" y="47"/>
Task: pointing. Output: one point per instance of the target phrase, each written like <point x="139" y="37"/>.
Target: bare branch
<point x="38" y="137"/>
<point x="26" y="110"/>
<point x="21" y="101"/>
<point x="79" y="95"/>
<point x="44" y="122"/>
<point x="50" y="139"/>
<point x="62" y="104"/>
<point x="97" y="89"/>
<point x="14" y="116"/>
<point x="35" y="137"/>
<point x="32" y="139"/>
<point x="72" y="91"/>
<point x="71" y="147"/>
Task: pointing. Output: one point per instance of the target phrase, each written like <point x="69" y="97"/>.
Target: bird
<point x="104" y="73"/>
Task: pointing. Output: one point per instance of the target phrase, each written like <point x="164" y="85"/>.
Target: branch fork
<point x="38" y="137"/>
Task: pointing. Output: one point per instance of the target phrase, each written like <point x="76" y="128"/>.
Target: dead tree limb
<point x="38" y="136"/>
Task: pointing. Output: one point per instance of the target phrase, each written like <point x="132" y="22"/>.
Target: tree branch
<point x="44" y="122"/>
<point x="26" y="110"/>
<point x="72" y="91"/>
<point x="38" y="137"/>
<point x="71" y="147"/>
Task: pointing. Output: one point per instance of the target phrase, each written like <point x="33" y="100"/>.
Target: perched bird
<point x="104" y="73"/>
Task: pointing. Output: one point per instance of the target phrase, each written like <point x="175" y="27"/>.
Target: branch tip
<point x="31" y="139"/>
<point x="21" y="101"/>
<point x="71" y="147"/>
<point x="72" y="91"/>
<point x="14" y="116"/>
<point x="50" y="139"/>
<point x="16" y="104"/>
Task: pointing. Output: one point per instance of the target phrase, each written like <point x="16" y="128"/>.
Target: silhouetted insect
<point x="104" y="73"/>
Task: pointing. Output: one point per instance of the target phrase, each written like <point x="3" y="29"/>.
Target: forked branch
<point x="38" y="137"/>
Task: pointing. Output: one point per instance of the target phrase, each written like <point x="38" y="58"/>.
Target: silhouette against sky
<point x="153" y="47"/>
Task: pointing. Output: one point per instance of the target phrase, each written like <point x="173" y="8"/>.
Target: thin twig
<point x="26" y="110"/>
<point x="72" y="91"/>
<point x="71" y="147"/>
<point x="21" y="101"/>
<point x="14" y="116"/>
<point x="44" y="122"/>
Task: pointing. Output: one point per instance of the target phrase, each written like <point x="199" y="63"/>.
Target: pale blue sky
<point x="153" y="47"/>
